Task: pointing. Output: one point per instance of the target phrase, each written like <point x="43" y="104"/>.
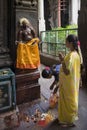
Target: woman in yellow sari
<point x="69" y="78"/>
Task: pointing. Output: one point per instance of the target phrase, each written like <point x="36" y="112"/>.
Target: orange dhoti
<point x="28" y="56"/>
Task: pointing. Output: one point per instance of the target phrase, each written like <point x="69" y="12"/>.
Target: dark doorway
<point x="47" y="14"/>
<point x="64" y="13"/>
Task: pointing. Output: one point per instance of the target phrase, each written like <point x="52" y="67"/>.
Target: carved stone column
<point x="82" y="32"/>
<point x="41" y="15"/>
<point x="59" y="13"/>
<point x="1" y="21"/>
<point x="5" y="60"/>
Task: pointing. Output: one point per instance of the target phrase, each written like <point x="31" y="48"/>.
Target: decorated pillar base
<point x="28" y="88"/>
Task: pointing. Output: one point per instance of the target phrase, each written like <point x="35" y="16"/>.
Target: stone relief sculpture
<point x="27" y="3"/>
<point x="27" y="46"/>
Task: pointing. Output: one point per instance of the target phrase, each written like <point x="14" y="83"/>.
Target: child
<point x="48" y="72"/>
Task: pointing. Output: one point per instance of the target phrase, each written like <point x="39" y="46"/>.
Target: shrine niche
<point x="27" y="86"/>
<point x="27" y="9"/>
<point x="10" y="12"/>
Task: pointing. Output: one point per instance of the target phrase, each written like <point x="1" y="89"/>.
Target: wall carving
<point x="10" y="12"/>
<point x="27" y="9"/>
<point x="59" y="15"/>
<point x="53" y="5"/>
<point x="26" y="3"/>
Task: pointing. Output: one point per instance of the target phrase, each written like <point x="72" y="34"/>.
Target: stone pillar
<point x="74" y="11"/>
<point x="82" y="33"/>
<point x="74" y="6"/>
<point x="1" y="21"/>
<point x="59" y="13"/>
<point x="5" y="60"/>
<point x="41" y="15"/>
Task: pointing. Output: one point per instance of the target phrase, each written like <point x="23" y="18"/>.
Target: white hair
<point x="24" y="20"/>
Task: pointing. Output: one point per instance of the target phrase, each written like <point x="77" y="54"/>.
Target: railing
<point x="53" y="41"/>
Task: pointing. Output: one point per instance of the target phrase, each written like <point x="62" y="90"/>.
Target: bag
<point x="28" y="55"/>
<point x="53" y="100"/>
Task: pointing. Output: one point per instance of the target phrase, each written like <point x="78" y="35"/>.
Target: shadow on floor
<point x="81" y="124"/>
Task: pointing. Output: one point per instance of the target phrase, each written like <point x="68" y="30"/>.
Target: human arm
<point x="56" y="88"/>
<point x="65" y="70"/>
<point x="33" y="32"/>
<point x="52" y="85"/>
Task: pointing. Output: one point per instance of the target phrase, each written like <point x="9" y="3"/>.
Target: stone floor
<point x="81" y="124"/>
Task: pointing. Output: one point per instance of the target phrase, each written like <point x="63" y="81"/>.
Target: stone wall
<point x="5" y="59"/>
<point x="48" y="60"/>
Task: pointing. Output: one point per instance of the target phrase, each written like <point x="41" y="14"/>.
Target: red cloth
<point x="78" y="43"/>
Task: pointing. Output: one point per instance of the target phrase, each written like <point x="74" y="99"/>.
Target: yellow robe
<point x="28" y="55"/>
<point x="69" y="89"/>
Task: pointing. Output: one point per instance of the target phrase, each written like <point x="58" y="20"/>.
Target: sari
<point x="69" y="89"/>
<point x="28" y="56"/>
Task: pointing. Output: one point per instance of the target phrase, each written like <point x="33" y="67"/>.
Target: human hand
<point x="52" y="85"/>
<point x="61" y="56"/>
<point x="66" y="71"/>
<point x="16" y="42"/>
<point x="63" y="65"/>
<point x="55" y="90"/>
